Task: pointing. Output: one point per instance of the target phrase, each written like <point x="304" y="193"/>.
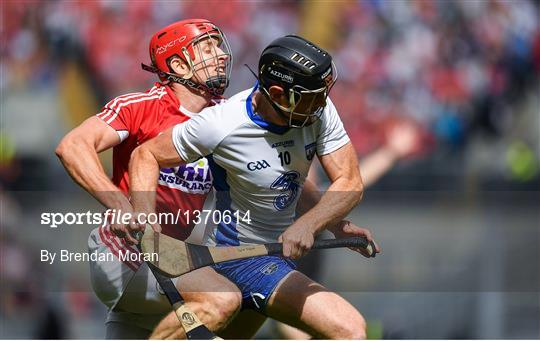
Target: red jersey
<point x="138" y="117"/>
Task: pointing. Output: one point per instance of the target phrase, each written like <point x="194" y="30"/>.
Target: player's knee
<point x="350" y="327"/>
<point x="359" y="333"/>
<point x="355" y="329"/>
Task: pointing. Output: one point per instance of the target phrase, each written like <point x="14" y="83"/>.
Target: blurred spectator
<point x="452" y="65"/>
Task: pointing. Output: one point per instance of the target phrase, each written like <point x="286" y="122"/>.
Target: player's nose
<point x="222" y="56"/>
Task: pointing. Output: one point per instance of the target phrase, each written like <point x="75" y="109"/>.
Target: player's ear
<point x="277" y="94"/>
<point x="178" y="66"/>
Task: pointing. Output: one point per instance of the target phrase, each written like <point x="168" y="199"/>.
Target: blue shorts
<point x="256" y="277"/>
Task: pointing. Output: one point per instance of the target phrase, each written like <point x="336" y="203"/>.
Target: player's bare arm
<point x="144" y="166"/>
<point x="78" y="151"/>
<point x="344" y="193"/>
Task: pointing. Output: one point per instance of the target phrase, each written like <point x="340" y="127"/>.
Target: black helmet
<point x="302" y="69"/>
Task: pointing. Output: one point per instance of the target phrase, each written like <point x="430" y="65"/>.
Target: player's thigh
<point x="306" y="304"/>
<point x="205" y="279"/>
<point x="244" y="326"/>
<point x="205" y="285"/>
<point x="115" y="330"/>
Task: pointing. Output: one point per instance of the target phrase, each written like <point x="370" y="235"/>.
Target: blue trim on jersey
<point x="226" y="234"/>
<point x="219" y="174"/>
<point x="258" y="120"/>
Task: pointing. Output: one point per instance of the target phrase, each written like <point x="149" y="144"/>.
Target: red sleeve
<point x="117" y="114"/>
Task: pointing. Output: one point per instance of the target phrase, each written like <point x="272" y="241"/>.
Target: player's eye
<point x="208" y="47"/>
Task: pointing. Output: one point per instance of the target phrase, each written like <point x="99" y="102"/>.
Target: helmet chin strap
<point x="188" y="82"/>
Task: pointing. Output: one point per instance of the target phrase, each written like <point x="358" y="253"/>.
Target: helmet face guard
<point x="216" y="63"/>
<point x="305" y="105"/>
<point x="304" y="71"/>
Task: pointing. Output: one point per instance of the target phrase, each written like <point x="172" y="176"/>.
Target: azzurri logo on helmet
<point x="304" y="71"/>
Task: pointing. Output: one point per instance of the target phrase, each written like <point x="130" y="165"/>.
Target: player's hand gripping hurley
<point x="175" y="258"/>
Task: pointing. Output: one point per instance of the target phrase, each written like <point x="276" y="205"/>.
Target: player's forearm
<point x="143" y="175"/>
<point x="81" y="162"/>
<point x="376" y="164"/>
<point x="340" y="198"/>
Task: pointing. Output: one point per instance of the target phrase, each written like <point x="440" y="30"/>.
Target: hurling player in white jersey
<point x="260" y="145"/>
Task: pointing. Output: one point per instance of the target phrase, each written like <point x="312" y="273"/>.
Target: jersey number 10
<point x="285" y="158"/>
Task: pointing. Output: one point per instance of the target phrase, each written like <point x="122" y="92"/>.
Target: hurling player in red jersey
<point x="193" y="61"/>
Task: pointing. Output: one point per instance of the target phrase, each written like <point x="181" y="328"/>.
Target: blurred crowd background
<point x="465" y="72"/>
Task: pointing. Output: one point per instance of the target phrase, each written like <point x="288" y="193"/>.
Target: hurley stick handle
<point x="359" y="242"/>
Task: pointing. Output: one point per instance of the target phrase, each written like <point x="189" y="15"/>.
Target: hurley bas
<point x="69" y="256"/>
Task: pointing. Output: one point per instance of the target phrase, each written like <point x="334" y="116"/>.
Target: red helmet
<point x="180" y="39"/>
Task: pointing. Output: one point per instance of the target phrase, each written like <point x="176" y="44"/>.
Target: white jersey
<point x="258" y="167"/>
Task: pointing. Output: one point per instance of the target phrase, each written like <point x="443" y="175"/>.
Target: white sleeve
<point x="198" y="136"/>
<point x="332" y="134"/>
<point x="122" y="134"/>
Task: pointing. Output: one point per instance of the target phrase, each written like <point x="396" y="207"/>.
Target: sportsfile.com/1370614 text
<point x="113" y="216"/>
